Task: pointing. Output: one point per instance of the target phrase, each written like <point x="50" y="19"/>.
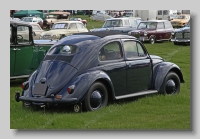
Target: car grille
<point x="46" y="37"/>
<point x="136" y="34"/>
<point x="187" y="35"/>
<point x="179" y="35"/>
<point x="182" y="35"/>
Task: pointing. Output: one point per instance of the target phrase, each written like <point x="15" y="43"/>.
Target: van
<point x="165" y="14"/>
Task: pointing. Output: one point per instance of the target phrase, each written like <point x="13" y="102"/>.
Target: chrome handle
<point x="14" y="49"/>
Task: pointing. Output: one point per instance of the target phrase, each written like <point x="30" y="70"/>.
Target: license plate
<point x="40" y="89"/>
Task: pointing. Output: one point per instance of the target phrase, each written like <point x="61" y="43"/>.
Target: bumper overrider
<point x="51" y="100"/>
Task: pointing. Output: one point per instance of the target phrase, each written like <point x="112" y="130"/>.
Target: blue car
<point x="90" y="69"/>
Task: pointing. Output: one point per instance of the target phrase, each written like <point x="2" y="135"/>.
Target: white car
<point x="63" y="29"/>
<point x="23" y="31"/>
<point x="32" y="19"/>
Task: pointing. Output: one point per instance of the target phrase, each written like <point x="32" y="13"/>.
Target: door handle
<point x="14" y="49"/>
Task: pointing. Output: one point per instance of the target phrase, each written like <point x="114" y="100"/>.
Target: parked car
<point x="23" y="30"/>
<point x="153" y="30"/>
<point x="25" y="54"/>
<point x="181" y="35"/>
<point x="100" y="17"/>
<point x="54" y="17"/>
<point x="123" y="25"/>
<point x="63" y="29"/>
<point x="90" y="69"/>
<point x="180" y="20"/>
<point x="32" y="19"/>
<point x="79" y="19"/>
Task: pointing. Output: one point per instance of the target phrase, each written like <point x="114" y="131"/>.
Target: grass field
<point x="152" y="112"/>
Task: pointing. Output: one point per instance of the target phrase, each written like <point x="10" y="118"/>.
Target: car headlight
<point x="129" y="33"/>
<point x="172" y="33"/>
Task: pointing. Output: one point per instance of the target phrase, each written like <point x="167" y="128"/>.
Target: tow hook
<point x="78" y="108"/>
<point x="17" y="95"/>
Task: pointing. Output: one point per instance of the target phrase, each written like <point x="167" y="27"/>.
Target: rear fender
<point x="83" y="82"/>
<point x="162" y="70"/>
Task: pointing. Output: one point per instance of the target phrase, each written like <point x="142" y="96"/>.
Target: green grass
<point x="151" y="112"/>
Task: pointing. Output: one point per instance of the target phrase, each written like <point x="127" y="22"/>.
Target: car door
<point x="112" y="62"/>
<point x="24" y="54"/>
<point x="139" y="67"/>
<point x="160" y="31"/>
<point x="168" y="30"/>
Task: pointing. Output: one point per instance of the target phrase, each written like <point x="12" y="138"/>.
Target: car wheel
<point x="171" y="83"/>
<point x="152" y="40"/>
<point x="175" y="43"/>
<point x="97" y="97"/>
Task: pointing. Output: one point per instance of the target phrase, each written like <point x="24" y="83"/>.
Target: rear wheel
<point x="171" y="84"/>
<point x="97" y="97"/>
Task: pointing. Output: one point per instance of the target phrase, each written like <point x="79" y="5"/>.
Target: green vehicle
<point x="25" y="53"/>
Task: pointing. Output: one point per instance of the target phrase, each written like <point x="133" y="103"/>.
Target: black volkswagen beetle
<point x="90" y="69"/>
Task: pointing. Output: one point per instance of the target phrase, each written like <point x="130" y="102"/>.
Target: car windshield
<point x="63" y="50"/>
<point x="28" y="19"/>
<point x="147" y="25"/>
<point x="60" y="26"/>
<point x="112" y="23"/>
<point x="179" y="17"/>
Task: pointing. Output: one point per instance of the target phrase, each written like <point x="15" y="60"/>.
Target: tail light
<point x="25" y="85"/>
<point x="70" y="89"/>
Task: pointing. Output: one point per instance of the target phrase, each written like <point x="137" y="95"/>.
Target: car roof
<point x="18" y="22"/>
<point x="155" y="21"/>
<point x="103" y="34"/>
<point x="124" y="18"/>
<point x="68" y="22"/>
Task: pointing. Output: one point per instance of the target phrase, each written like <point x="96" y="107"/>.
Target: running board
<point x="17" y="77"/>
<point x="137" y="94"/>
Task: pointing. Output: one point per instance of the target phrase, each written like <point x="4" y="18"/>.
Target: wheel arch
<point x="108" y="86"/>
<point x="163" y="69"/>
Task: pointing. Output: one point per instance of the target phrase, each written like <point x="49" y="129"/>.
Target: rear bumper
<point x="52" y="100"/>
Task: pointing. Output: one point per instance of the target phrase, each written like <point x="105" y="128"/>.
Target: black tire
<point x="152" y="40"/>
<point x="97" y="97"/>
<point x="175" y="43"/>
<point x="171" y="84"/>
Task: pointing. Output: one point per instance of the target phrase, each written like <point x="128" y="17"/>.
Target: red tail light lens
<point x="70" y="89"/>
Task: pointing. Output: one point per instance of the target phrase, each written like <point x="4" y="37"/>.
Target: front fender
<point x="83" y="82"/>
<point x="162" y="70"/>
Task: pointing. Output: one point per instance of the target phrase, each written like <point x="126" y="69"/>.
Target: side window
<point x="168" y="25"/>
<point x="23" y="35"/>
<point x="133" y="49"/>
<point x="35" y="27"/>
<point x="80" y="26"/>
<point x="160" y="25"/>
<point x="72" y="26"/>
<point x="111" y="51"/>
